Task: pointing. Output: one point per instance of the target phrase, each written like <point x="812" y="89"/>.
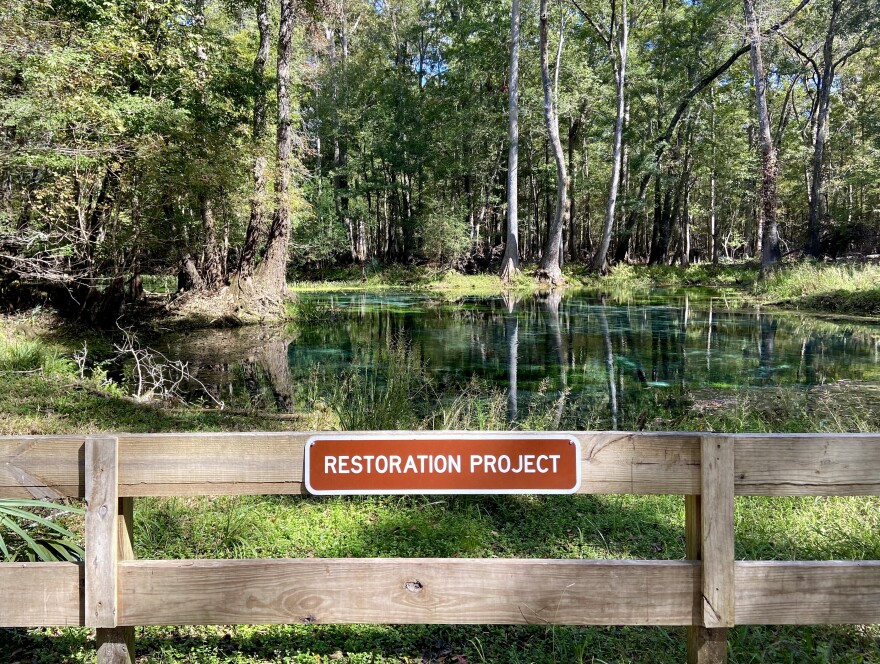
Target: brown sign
<point x="442" y="463"/>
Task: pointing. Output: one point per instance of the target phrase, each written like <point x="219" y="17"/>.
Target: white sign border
<point x="441" y="435"/>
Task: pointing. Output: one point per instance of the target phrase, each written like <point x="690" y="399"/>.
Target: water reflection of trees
<point x="511" y="333"/>
<point x="589" y="361"/>
<point x="247" y="369"/>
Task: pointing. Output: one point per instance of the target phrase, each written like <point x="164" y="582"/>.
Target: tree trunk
<point x="213" y="274"/>
<point x="770" y="252"/>
<point x="257" y="222"/>
<point x="823" y="106"/>
<point x="632" y="219"/>
<point x="571" y="243"/>
<point x="550" y="268"/>
<point x="510" y="262"/>
<point x="618" y="59"/>
<point x="271" y="275"/>
<point x="686" y="225"/>
<point x="663" y="215"/>
<point x="188" y="277"/>
<point x="713" y="222"/>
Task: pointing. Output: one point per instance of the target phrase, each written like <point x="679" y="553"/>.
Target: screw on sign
<point x="442" y="463"/>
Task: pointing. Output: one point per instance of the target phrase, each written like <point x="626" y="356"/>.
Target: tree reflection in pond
<point x="578" y="360"/>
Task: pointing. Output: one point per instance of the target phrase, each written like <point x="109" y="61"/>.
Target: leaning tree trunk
<point x="770" y="252"/>
<point x="510" y="262"/>
<point x="271" y="275"/>
<point x="550" y="268"/>
<point x="619" y="59"/>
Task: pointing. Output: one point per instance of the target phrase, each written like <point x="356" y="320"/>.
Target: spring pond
<point x="574" y="360"/>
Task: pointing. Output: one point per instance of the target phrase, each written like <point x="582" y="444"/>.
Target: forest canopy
<point x="228" y="141"/>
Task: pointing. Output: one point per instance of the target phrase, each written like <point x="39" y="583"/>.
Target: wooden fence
<point x="709" y="592"/>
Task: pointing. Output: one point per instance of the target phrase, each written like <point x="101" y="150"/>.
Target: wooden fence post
<point x="709" y="538"/>
<point x="108" y="539"/>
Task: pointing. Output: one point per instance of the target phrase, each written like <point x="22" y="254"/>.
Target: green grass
<point x="847" y="289"/>
<point x="24" y="356"/>
<point x="833" y="289"/>
<point x="51" y="398"/>
<point x="446" y="283"/>
<point x="810" y="278"/>
<point x="732" y="275"/>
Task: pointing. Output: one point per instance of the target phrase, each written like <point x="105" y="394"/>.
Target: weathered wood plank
<point x="808" y="593"/>
<point x="640" y="463"/>
<point x="837" y="592"/>
<point x="808" y="465"/>
<point x="716" y="518"/>
<point x="102" y="541"/>
<point x="41" y="594"/>
<point x="709" y="538"/>
<point x="409" y="591"/>
<point x="42" y="467"/>
<point x="706" y="646"/>
<point x="212" y="464"/>
<point x="232" y="464"/>
<point x="257" y="463"/>
<point x="115" y="645"/>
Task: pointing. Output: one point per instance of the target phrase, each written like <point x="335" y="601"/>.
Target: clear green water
<point x="594" y="361"/>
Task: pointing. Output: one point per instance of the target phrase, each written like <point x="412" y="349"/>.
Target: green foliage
<point x="445" y="240"/>
<point x="738" y="276"/>
<point x="36" y="535"/>
<point x="448" y="284"/>
<point x="31" y="356"/>
<point x="478" y="407"/>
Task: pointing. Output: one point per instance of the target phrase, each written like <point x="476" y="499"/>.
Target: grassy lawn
<point x="44" y="393"/>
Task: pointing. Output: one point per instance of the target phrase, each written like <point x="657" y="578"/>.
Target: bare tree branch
<point x="593" y="24"/>
<point x="797" y="49"/>
<point x="794" y="12"/>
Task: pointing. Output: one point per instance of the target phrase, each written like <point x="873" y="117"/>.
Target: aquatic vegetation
<point x="385" y="392"/>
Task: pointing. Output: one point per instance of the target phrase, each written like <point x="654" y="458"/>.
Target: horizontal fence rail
<point x="267" y="463"/>
<point x="709" y="592"/>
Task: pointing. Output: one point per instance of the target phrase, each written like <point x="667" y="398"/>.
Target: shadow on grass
<point x="55" y="405"/>
<point x="480" y="526"/>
